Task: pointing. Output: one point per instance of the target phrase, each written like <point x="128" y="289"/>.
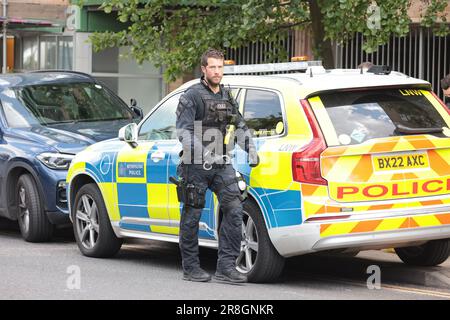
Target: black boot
<point x="230" y="275"/>
<point x="197" y="275"/>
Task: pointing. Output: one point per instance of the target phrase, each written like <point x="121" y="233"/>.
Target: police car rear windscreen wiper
<point x="407" y="130"/>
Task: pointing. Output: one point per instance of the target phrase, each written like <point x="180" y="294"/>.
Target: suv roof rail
<point x="271" y="67"/>
<point x="65" y="71"/>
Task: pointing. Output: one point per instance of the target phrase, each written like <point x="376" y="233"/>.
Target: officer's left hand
<point x="253" y="159"/>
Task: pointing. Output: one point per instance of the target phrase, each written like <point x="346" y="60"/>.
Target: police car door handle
<point x="158" y="156"/>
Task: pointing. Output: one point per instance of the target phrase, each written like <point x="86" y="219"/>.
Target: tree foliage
<point x="378" y="21"/>
<point x="174" y="33"/>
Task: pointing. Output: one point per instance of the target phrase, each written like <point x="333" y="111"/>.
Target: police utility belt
<point x="195" y="197"/>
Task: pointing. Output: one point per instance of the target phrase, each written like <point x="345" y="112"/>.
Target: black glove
<point x="253" y="159"/>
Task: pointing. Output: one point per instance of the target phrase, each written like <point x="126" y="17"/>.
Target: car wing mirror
<point x="129" y="134"/>
<point x="137" y="110"/>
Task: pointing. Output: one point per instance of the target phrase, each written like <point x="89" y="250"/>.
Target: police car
<point x="350" y="160"/>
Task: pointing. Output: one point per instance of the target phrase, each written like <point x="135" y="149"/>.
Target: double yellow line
<point x="432" y="293"/>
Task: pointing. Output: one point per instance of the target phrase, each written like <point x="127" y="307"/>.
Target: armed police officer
<point x="207" y="117"/>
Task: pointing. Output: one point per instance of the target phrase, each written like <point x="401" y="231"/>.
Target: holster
<point x="194" y="196"/>
<point x="189" y="194"/>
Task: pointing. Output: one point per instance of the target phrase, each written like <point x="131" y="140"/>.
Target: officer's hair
<point x="445" y="82"/>
<point x="211" y="53"/>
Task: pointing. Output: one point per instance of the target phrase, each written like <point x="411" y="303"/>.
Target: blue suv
<point x="46" y="117"/>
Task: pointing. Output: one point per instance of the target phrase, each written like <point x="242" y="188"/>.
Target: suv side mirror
<point x="138" y="111"/>
<point x="129" y="134"/>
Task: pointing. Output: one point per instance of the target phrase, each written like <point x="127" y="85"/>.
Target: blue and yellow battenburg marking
<point x="129" y="191"/>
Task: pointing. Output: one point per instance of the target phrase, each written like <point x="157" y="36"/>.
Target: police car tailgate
<point x="388" y="168"/>
<point x="384" y="144"/>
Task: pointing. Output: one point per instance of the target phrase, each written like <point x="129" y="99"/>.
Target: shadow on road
<point x="12" y="229"/>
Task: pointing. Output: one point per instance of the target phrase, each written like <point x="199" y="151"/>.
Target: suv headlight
<point x="58" y="161"/>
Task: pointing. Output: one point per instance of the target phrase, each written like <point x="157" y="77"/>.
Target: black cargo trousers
<point x="222" y="181"/>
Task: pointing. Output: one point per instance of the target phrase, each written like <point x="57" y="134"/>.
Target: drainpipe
<point x="5" y="49"/>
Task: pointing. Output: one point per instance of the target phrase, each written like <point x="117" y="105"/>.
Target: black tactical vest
<point x="218" y="113"/>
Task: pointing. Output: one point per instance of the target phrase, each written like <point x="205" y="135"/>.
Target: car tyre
<point x="92" y="227"/>
<point x="258" y="259"/>
<point x="429" y="254"/>
<point x="33" y="221"/>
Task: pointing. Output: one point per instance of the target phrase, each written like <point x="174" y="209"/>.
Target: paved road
<point x="151" y="270"/>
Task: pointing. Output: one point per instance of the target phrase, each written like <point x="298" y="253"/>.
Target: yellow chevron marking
<point x="427" y="221"/>
<point x="390" y="224"/>
<point x="339" y="228"/>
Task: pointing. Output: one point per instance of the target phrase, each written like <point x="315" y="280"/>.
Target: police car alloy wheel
<point x="92" y="227"/>
<point x="87" y="221"/>
<point x="33" y="222"/>
<point x="259" y="259"/>
<point x="249" y="245"/>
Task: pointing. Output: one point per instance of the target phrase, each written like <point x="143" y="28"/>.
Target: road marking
<point x="409" y="290"/>
<point x="418" y="291"/>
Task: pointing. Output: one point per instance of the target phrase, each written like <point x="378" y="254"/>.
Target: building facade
<point x="36" y="36"/>
<point x="123" y="75"/>
<point x="54" y="34"/>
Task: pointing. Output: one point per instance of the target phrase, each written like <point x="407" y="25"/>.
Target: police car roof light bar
<point x="271" y="67"/>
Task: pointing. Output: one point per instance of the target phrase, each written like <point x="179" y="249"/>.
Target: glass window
<point x="128" y="79"/>
<point x="30" y="53"/>
<point x="65" y="53"/>
<point x="161" y="124"/>
<point x="262" y="113"/>
<point x="111" y="83"/>
<point x="16" y="115"/>
<point x="55" y="52"/>
<point x="146" y="92"/>
<point x="48" y="53"/>
<point x="128" y="65"/>
<point x="58" y="103"/>
<point x="106" y="61"/>
<point x="363" y="115"/>
<point x="235" y="93"/>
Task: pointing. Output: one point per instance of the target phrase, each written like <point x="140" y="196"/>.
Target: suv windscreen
<point x="362" y="115"/>
<point x="63" y="103"/>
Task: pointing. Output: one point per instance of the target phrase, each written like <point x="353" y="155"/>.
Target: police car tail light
<point x="306" y="161"/>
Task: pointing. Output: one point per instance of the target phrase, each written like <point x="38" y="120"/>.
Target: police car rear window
<point x="363" y="115"/>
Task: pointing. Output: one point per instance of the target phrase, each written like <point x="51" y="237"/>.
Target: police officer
<point x="206" y="116"/>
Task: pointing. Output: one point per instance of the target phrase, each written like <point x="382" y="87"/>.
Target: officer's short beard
<point x="211" y="83"/>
